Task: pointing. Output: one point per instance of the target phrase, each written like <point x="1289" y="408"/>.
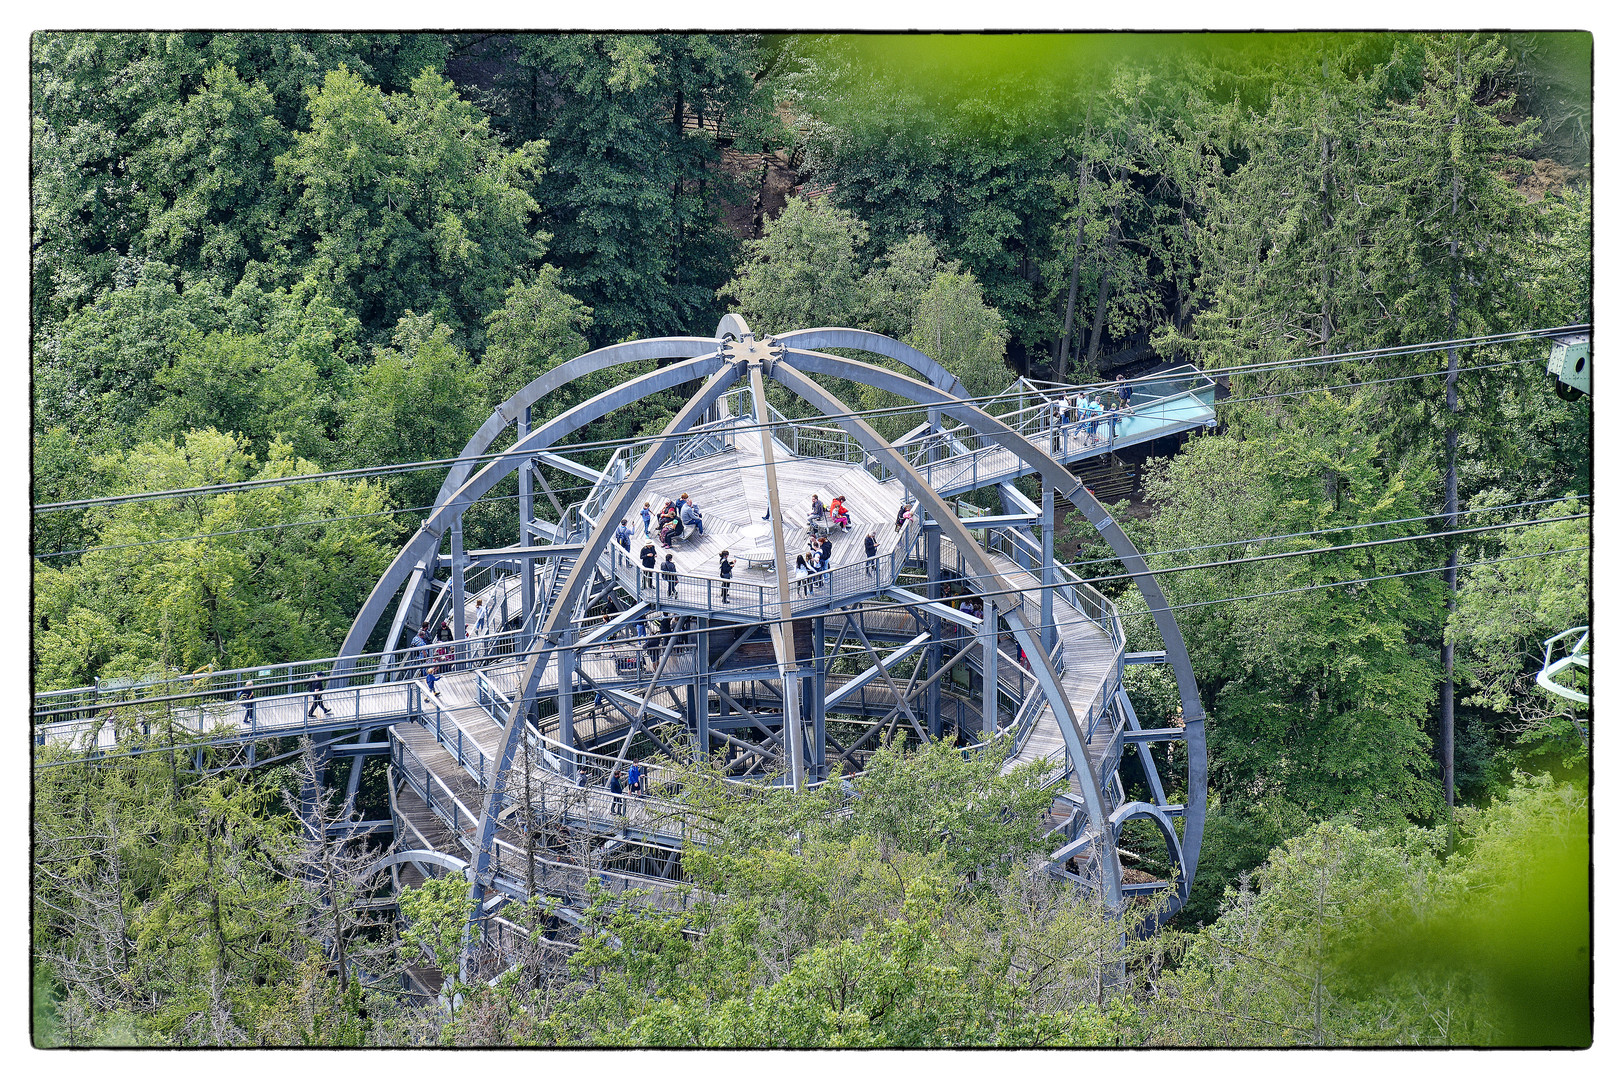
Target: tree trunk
<point x="676" y="184"/>
<point x="1324" y="269"/>
<point x="1104" y="285"/>
<point x="1082" y="174"/>
<point x="1451" y="493"/>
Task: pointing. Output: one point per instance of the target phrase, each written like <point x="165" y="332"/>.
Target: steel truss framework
<point x="772" y="690"/>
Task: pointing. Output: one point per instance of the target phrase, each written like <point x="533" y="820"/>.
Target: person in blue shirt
<point x="623" y="534"/>
<point x="419" y="646"/>
<point x="432" y="677"/>
<point x="617" y="789"/>
<point x="647" y="521"/>
<point x="691" y="517"/>
<point x="635" y="780"/>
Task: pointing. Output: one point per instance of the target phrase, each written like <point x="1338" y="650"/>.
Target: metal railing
<point x="688" y="591"/>
<point x="508" y="860"/>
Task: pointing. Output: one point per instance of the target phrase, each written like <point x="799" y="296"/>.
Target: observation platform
<point x="664" y="667"/>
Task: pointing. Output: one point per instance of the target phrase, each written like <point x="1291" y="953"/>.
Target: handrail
<point x="456" y="814"/>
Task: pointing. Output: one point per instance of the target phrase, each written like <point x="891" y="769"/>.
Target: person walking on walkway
<point x="803" y="572"/>
<point x="726" y="572"/>
<point x="617" y="789"/>
<point x="315" y="698"/>
<point x="247" y="699"/>
<point x="1124" y="391"/>
<point x="647" y="521"/>
<point x="634" y="779"/>
<point x="622" y="535"/>
<point x="870" y="548"/>
<point x="479" y="616"/>
<point x="651" y="640"/>
<point x="668" y="572"/>
<point x="431" y="677"/>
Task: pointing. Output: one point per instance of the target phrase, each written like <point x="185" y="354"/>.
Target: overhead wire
<point x="991" y="594"/>
<point x="1075" y="564"/>
<point x="372" y="471"/>
<point x="542" y="650"/>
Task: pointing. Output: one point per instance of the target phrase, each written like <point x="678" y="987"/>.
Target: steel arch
<point x="1143" y="811"/>
<point x="942" y="394"/>
<point x="995" y="587"/>
<point x="427" y="538"/>
<point x="553" y="628"/>
<point x="1059" y="477"/>
<point x="445" y="862"/>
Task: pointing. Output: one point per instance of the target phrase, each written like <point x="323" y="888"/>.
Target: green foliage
<point x="954" y="326"/>
<point x="896" y="283"/>
<point x="634" y="193"/>
<point x="804" y="272"/>
<point x="421" y="399"/>
<point x="99" y="368"/>
<point x="264" y="590"/>
<point x="538" y="327"/>
<point x="1319" y="697"/>
<point x="435" y="914"/>
<point x="911" y="921"/>
<point x="408" y="202"/>
<point x="1507" y="609"/>
<point x="1514" y="925"/>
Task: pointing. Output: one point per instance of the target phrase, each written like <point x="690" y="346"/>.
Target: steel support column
<point x="819" y="688"/>
<point x="1049" y="635"/>
<point x="459" y="562"/>
<point x="701" y="688"/>
<point x="527" y="537"/>
<point x="567" y="662"/>
<point x="988" y="636"/>
<point x="783" y="631"/>
<point x="932" y="589"/>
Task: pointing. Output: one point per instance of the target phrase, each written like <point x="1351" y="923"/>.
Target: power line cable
<point x="1315" y="532"/>
<point x="373" y="471"/>
<point x="543" y="650"/>
<point x="1038" y="587"/>
<point x="1480" y="340"/>
<point x="1354" y="581"/>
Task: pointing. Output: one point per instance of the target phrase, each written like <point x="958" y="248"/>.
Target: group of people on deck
<point x="1083" y="407"/>
<point x="835" y="513"/>
<point x="674" y="521"/>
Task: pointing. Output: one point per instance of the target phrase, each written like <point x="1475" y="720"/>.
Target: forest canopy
<point x="267" y="255"/>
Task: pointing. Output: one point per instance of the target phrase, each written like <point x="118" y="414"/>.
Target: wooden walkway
<point x="1090" y="658"/>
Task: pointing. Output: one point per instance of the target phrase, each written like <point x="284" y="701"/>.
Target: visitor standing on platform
<point x="726" y="572"/>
